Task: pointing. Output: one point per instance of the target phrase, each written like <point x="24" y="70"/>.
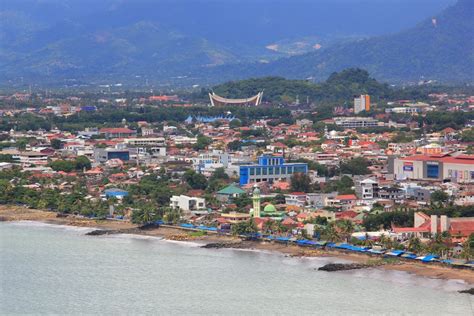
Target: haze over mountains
<point x="208" y="41"/>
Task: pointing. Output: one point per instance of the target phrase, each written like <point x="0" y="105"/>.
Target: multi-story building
<point x="435" y="168"/>
<point x="362" y="103"/>
<point x="117" y="132"/>
<point x="366" y="189"/>
<point x="104" y="154"/>
<point x="187" y="203"/>
<point x="355" y="122"/>
<point x="270" y="168"/>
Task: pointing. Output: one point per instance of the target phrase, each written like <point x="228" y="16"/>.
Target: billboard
<point x="408" y="166"/>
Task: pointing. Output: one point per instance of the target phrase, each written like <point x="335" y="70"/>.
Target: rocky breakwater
<point x="331" y="267"/>
<point x="221" y="245"/>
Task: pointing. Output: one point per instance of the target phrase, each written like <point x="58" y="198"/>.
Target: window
<point x="259" y="171"/>
<point x="264" y="171"/>
<point x="252" y="171"/>
<point x="432" y="171"/>
<point x="270" y="170"/>
<point x="290" y="169"/>
<point x="277" y="170"/>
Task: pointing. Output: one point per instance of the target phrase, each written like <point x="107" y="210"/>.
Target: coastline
<point x="16" y="213"/>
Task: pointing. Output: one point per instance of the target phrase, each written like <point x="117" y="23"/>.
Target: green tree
<point x="56" y="143"/>
<point x="244" y="228"/>
<point x="82" y="162"/>
<point x="300" y="182"/>
<point x="195" y="180"/>
<point x="355" y="166"/>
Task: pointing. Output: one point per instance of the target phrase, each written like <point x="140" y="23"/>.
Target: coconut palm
<point x="330" y="233"/>
<point x="346" y="228"/>
<point x="414" y="244"/>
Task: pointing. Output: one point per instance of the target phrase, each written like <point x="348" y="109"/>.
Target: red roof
<point x="116" y="130"/>
<point x="464" y="159"/>
<point x="346" y="197"/>
<point x="346" y="214"/>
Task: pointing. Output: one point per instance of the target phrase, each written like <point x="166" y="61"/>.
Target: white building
<point x="187" y="203"/>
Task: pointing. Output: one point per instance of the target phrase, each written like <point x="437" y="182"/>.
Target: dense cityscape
<point x="391" y="175"/>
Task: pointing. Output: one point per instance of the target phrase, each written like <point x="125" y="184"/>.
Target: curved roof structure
<point x="218" y="100"/>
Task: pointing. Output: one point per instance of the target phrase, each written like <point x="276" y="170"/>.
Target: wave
<point x="49" y="225"/>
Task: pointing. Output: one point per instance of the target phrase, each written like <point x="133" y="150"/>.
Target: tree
<point x="56" y="143"/>
<point x="439" y="197"/>
<point x="355" y="166"/>
<point x="346" y="228"/>
<point x="414" y="244"/>
<point x="330" y="233"/>
<point x="82" y="162"/>
<point x="468" y="248"/>
<point x="202" y="142"/>
<point x="300" y="182"/>
<point x="63" y="165"/>
<point x="234" y="145"/>
<point x="195" y="180"/>
<point x="244" y="228"/>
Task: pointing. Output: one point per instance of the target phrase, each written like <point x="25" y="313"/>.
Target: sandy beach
<point x="16" y="213"/>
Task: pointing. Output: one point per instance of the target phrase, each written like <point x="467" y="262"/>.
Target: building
<point x="218" y="100"/>
<point x="355" y="122"/>
<point x="155" y="141"/>
<point x="115" y="193"/>
<point x="117" y="132"/>
<point x="403" y="110"/>
<point x="296" y="199"/>
<point x="366" y="189"/>
<point x="270" y="168"/>
<point x="435" y="168"/>
<point x="426" y="226"/>
<point x="103" y="155"/>
<point x="187" y="203"/>
<point x="362" y="103"/>
<point x="228" y="193"/>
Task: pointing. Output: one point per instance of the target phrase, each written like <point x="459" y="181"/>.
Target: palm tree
<point x="414" y="244"/>
<point x="346" y="228"/>
<point x="147" y="216"/>
<point x="330" y="233"/>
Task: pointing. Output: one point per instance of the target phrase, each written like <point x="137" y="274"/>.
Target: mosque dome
<point x="269" y="208"/>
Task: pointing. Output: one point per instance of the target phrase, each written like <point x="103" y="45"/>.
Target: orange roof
<point x="346" y="197"/>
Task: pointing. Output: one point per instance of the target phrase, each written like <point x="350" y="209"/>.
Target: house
<point x="296" y="199"/>
<point x="187" y="203"/>
<point x="228" y="193"/>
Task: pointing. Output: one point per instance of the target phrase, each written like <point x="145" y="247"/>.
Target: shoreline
<point x="18" y="214"/>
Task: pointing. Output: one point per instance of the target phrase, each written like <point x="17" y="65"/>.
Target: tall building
<point x="362" y="103"/>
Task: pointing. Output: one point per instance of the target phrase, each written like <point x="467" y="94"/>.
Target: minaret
<point x="256" y="202"/>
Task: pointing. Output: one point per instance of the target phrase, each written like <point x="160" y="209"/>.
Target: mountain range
<point x="184" y="42"/>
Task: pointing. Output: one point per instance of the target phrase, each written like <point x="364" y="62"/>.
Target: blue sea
<point x="49" y="269"/>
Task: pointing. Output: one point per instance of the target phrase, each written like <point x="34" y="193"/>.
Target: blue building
<point x="270" y="168"/>
<point x="115" y="193"/>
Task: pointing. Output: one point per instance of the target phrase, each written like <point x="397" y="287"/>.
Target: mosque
<point x="269" y="211"/>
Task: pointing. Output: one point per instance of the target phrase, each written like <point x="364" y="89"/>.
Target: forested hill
<point x="340" y="86"/>
<point x="440" y="48"/>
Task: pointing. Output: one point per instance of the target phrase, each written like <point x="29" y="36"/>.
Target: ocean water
<point x="47" y="269"/>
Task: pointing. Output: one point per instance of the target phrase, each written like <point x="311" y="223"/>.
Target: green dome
<point x="269" y="208"/>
